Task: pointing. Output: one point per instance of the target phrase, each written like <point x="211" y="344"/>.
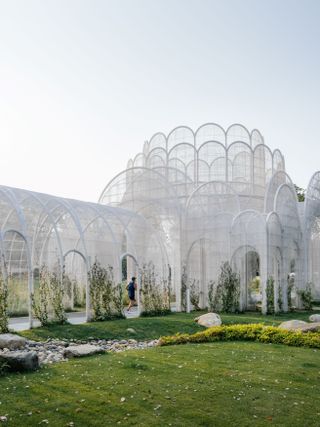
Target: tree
<point x="301" y="193"/>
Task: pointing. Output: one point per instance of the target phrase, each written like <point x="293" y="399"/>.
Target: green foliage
<point x="3" y="367"/>
<point x="57" y="294"/>
<point x="150" y="328"/>
<point x="124" y="268"/>
<point x="97" y="278"/>
<point x="18" y="294"/>
<point x="40" y="305"/>
<point x="106" y="297"/>
<point x="49" y="298"/>
<point x="270" y="295"/>
<point x="255" y="285"/>
<point x="4" y="316"/>
<point x="290" y="288"/>
<point x="228" y="289"/>
<point x="68" y="291"/>
<point x="79" y="294"/>
<point x="184" y="284"/>
<point x="195" y="294"/>
<point x="118" y="300"/>
<point x="154" y="292"/>
<point x="280" y="299"/>
<point x="301" y="193"/>
<point x="107" y="294"/>
<point x="306" y="297"/>
<point x="252" y="332"/>
<point x="211" y="296"/>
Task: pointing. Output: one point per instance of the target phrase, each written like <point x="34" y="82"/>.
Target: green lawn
<point x="150" y="328"/>
<point x="217" y="384"/>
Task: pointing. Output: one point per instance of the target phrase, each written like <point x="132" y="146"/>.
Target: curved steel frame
<point x="223" y="188"/>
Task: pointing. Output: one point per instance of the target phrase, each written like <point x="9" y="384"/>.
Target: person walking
<point x="131" y="288"/>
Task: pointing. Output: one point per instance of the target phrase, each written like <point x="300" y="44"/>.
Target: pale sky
<point x="84" y="83"/>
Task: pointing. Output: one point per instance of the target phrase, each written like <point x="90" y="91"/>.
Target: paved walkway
<point x="75" y="318"/>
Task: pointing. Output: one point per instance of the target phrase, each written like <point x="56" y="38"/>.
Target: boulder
<point x="82" y="350"/>
<point x="208" y="320"/>
<point x="12" y="341"/>
<point x="314" y="318"/>
<point x="311" y="327"/>
<point x="20" y="360"/>
<point x="293" y="325"/>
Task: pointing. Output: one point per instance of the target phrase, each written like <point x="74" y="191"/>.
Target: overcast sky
<point x="84" y="83"/>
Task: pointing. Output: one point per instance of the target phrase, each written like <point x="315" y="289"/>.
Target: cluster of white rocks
<point x="52" y="351"/>
<point x="22" y="354"/>
<point x="301" y="325"/>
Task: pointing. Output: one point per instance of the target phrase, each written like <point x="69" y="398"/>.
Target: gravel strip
<point x="52" y="351"/>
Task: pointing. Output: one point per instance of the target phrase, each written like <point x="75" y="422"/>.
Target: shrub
<point x="40" y="305"/>
<point x="184" y="280"/>
<point x="154" y="292"/>
<point x="18" y="294"/>
<point x="106" y="297"/>
<point x="57" y="294"/>
<point x="227" y="293"/>
<point x="68" y="292"/>
<point x="280" y="300"/>
<point x="3" y="367"/>
<point x="290" y="288"/>
<point x="4" y="316"/>
<point x="270" y="295"/>
<point x="306" y="297"/>
<point x="107" y="293"/>
<point x="211" y="296"/>
<point x="250" y="332"/>
<point x="118" y="299"/>
<point x="97" y="277"/>
<point x="195" y="294"/>
<point x="79" y="294"/>
<point x="50" y="298"/>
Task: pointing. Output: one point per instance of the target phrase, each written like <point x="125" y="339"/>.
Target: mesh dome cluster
<point x="217" y="195"/>
<point x="188" y="202"/>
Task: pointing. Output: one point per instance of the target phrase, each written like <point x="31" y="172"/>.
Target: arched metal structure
<point x="217" y="195"/>
<point x="38" y="229"/>
<point x="188" y="202"/>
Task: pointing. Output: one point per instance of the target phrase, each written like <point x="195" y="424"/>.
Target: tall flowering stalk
<point x="40" y="305"/>
<point x="57" y="296"/>
<point x="4" y="316"/>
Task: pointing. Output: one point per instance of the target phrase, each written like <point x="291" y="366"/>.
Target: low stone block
<point x="311" y="327"/>
<point x="82" y="350"/>
<point x="314" y="318"/>
<point x="208" y="320"/>
<point x="293" y="325"/>
<point x="20" y="360"/>
<point x="12" y="341"/>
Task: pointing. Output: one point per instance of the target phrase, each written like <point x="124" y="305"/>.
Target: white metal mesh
<point x="216" y="195"/>
<point x="188" y="202"/>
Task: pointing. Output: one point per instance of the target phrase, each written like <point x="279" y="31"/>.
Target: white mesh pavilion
<point x="188" y="202"/>
<point x="64" y="234"/>
<point x="218" y="195"/>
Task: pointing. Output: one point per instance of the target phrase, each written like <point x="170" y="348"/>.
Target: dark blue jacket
<point x="131" y="290"/>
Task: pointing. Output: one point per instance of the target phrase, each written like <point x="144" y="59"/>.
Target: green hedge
<point x="155" y="313"/>
<point x="252" y="332"/>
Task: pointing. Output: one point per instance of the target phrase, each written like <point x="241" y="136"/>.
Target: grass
<point x="220" y="384"/>
<point x="150" y="328"/>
